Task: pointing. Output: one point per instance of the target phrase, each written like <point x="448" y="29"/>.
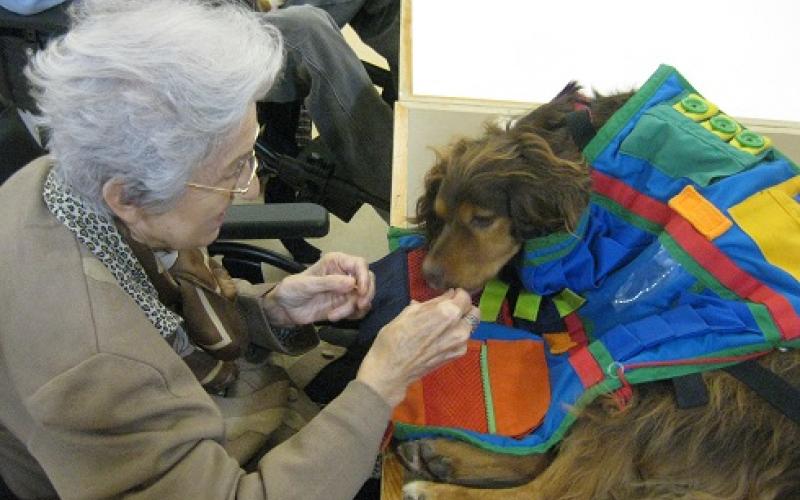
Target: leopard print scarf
<point x="99" y="234"/>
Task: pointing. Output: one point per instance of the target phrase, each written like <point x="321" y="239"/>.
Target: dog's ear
<point x="551" y="115"/>
<point x="603" y="106"/>
<point x="548" y="194"/>
<point x="425" y="218"/>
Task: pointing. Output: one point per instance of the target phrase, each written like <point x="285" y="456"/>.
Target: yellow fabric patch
<point x="772" y="219"/>
<point x="559" y="342"/>
<point x="700" y="213"/>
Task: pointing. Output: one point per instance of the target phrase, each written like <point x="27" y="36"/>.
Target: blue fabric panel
<point x="486" y="331"/>
<point x="621" y="343"/>
<point x="685" y="321"/>
<point x="698" y="346"/>
<point x="411" y="241"/>
<point x="650" y="284"/>
<point x="652" y="330"/>
<point x="608" y="243"/>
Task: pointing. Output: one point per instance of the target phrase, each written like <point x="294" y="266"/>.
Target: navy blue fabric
<point x="391" y="294"/>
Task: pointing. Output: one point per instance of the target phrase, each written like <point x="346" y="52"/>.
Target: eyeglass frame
<point x="252" y="160"/>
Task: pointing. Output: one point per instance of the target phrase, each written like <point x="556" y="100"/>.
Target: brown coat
<point x="95" y="404"/>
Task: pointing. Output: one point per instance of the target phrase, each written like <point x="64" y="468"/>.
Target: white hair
<point x="144" y="91"/>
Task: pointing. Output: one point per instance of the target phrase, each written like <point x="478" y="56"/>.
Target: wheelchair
<point x="295" y="168"/>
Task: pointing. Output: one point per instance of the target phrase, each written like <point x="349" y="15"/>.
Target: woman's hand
<point x="421" y="338"/>
<point x="338" y="286"/>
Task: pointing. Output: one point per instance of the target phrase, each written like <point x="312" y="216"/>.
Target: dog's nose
<point x="433" y="274"/>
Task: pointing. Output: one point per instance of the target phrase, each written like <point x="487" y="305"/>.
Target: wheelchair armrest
<point x="276" y="220"/>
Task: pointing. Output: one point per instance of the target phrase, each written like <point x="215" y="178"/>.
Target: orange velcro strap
<point x="700" y="213"/>
<point x="559" y="343"/>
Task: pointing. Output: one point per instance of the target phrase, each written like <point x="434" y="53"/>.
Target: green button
<point x="694" y="104"/>
<point x="750" y="139"/>
<point x="723" y="124"/>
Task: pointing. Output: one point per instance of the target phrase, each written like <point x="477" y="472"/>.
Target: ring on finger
<point x="472" y="320"/>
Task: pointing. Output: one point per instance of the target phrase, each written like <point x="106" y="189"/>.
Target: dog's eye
<point x="481" y="221"/>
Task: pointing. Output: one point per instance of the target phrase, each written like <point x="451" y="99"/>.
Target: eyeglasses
<point x="242" y="185"/>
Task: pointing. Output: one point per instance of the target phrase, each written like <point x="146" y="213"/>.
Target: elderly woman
<point x="149" y="110"/>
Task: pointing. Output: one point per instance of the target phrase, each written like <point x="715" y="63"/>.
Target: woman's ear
<point x="114" y="196"/>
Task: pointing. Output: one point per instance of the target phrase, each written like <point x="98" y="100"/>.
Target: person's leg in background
<point x="377" y="23"/>
<point x="353" y="121"/>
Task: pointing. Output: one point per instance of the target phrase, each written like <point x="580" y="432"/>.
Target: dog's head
<point x="485" y="196"/>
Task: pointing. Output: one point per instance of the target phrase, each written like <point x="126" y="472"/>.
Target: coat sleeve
<point x="114" y="426"/>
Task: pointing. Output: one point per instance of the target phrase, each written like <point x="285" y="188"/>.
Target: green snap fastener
<point x="750" y="139"/>
<point x="723" y="124"/>
<point x="694" y="104"/>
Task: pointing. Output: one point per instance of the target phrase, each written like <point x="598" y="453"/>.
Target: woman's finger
<point x="365" y="300"/>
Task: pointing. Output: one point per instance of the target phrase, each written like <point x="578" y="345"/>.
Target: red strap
<point x="586" y="367"/>
<point x="623" y="395"/>
<point x="733" y="277"/>
<point x="633" y="200"/>
<point x="575" y="329"/>
<point x="708" y="256"/>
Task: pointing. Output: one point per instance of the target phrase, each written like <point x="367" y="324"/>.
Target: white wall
<point x="744" y="55"/>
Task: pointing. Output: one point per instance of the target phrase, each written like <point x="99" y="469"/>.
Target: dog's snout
<point x="433" y="274"/>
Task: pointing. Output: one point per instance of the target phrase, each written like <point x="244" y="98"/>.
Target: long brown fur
<point x="488" y="195"/>
<point x="482" y="200"/>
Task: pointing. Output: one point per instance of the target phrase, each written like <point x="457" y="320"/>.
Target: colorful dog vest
<point x="685" y="260"/>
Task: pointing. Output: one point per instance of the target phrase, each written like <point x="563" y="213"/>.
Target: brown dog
<point x="488" y="195"/>
<point x="482" y="200"/>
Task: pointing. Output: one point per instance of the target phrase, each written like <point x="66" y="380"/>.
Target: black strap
<point x="690" y="391"/>
<point x="579" y="124"/>
<point x="773" y="389"/>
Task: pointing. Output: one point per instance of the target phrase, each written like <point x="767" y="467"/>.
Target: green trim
<point x="686" y="260"/>
<point x="791" y="344"/>
<point x="556" y="245"/>
<point x="650" y="374"/>
<point x="543" y="259"/>
<point x="393" y="234"/>
<point x="621" y="118"/>
<point x="547" y="241"/>
<point x="527" y="306"/>
<point x="626" y="215"/>
<point x="488" y="402"/>
<point x="588" y="328"/>
<point x="567" y="301"/>
<point x="492" y="300"/>
<point x="764" y="320"/>
<point x="603" y="358"/>
<point x="779" y="155"/>
<point x="698" y="287"/>
<point x="607" y="386"/>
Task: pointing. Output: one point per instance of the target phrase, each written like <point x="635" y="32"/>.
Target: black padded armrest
<point x="275" y="220"/>
<point x="52" y="20"/>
